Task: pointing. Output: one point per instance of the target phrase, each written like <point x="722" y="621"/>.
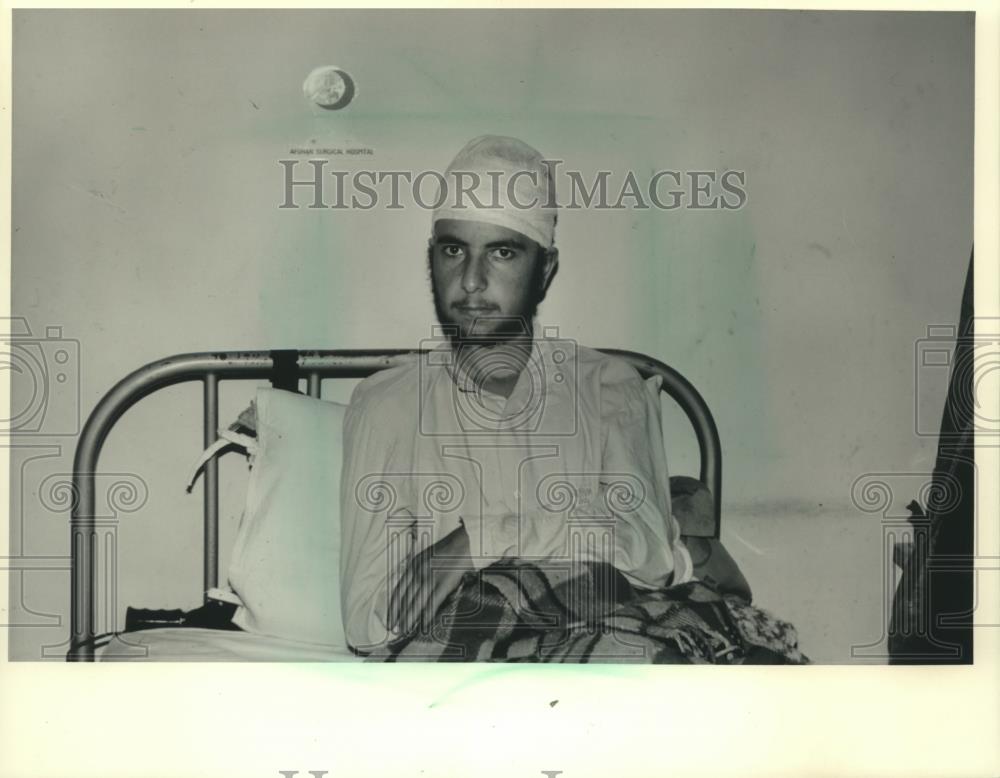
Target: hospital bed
<point x="697" y="502"/>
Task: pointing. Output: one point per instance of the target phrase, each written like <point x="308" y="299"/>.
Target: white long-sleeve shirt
<point x="571" y="467"/>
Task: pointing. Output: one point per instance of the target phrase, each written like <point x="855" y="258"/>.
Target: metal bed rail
<point x="284" y="369"/>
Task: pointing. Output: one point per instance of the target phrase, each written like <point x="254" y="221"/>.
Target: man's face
<point x="488" y="280"/>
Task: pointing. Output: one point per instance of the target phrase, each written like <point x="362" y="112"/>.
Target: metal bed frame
<point x="284" y="369"/>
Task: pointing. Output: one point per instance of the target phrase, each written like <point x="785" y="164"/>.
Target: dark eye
<point x="503" y="253"/>
<point x="452" y="251"/>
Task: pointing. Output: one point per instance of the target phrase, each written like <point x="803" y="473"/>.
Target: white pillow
<point x="285" y="564"/>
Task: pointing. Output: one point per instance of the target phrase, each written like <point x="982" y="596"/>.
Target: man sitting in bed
<point x="504" y="442"/>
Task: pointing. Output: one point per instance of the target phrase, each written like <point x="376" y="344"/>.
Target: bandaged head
<point x="501" y="181"/>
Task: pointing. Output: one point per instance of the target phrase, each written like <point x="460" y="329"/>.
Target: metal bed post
<point x="121" y="397"/>
<point x="82" y="553"/>
<point x="211" y="488"/>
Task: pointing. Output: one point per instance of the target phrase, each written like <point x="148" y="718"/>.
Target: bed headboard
<point x="284" y="369"/>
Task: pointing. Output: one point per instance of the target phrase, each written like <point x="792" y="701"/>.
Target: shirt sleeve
<point x="633" y="491"/>
<point x="371" y="502"/>
<point x="648" y="545"/>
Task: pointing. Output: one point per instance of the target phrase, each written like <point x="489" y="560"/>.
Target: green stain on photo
<point x="447" y="684"/>
<point x="700" y="308"/>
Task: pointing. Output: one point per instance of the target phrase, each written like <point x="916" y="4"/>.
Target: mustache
<point x="498" y="329"/>
<point x="473" y="302"/>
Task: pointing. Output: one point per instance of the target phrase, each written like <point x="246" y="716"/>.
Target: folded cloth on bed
<point x="515" y="611"/>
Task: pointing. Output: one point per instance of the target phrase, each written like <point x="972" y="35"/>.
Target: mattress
<point x="189" y="644"/>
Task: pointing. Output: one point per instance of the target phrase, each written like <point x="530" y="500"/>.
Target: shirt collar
<point x="541" y="373"/>
<point x="544" y="376"/>
<point x="458" y="370"/>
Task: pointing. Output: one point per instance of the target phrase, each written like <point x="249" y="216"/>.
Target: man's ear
<point x="550" y="269"/>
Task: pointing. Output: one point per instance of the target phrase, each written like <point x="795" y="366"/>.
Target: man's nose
<point x="474" y="274"/>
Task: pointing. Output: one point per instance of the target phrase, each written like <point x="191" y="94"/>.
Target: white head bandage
<point x="501" y="181"/>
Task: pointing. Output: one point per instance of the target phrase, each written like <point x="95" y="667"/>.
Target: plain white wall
<point x="145" y="218"/>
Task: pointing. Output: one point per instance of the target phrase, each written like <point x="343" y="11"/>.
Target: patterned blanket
<point x="519" y="612"/>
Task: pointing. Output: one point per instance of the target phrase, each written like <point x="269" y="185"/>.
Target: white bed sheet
<point x="189" y="644"/>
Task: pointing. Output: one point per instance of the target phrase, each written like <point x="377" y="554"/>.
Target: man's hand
<point x="429" y="578"/>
